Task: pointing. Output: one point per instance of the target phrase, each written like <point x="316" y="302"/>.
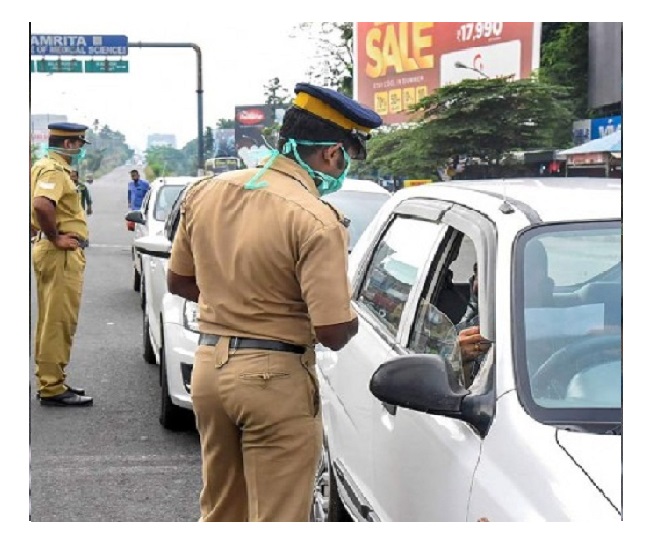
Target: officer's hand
<point x="66" y="242"/>
<point x="89" y="211"/>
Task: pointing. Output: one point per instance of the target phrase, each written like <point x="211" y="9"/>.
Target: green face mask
<point x="76" y="156"/>
<point x="325" y="182"/>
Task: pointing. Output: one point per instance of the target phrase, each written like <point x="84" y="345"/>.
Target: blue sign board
<point x="595" y="128"/>
<point x="71" y="45"/>
<point x="605" y="126"/>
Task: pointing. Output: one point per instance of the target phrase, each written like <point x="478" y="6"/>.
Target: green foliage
<point x="168" y="161"/>
<point x="224" y="123"/>
<point x="479" y="118"/>
<point x="107" y="150"/>
<point x="565" y="62"/>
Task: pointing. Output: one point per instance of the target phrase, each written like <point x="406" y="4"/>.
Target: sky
<point x="159" y="93"/>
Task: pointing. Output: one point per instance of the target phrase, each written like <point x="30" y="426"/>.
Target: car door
<point x="383" y="285"/>
<point x="423" y="465"/>
<point x="140" y="231"/>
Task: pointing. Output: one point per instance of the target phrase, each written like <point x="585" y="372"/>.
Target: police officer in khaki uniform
<point x="266" y="259"/>
<point x="59" y="262"/>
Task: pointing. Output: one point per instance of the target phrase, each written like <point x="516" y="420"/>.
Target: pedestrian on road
<point x="136" y="191"/>
<point x="84" y="192"/>
<point x="58" y="261"/>
<point x="266" y="259"/>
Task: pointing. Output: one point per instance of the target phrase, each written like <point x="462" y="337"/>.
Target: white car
<point x="150" y="218"/>
<point x="531" y="431"/>
<point x="173" y="339"/>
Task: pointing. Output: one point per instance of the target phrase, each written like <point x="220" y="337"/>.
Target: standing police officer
<point x="266" y="260"/>
<point x="59" y="261"/>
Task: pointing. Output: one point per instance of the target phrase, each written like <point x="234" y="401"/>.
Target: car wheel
<point x="148" y="352"/>
<point x="136" y="280"/>
<point x="336" y="510"/>
<point x="320" y="502"/>
<point x="142" y="293"/>
<point x="172" y="416"/>
<point x="326" y="503"/>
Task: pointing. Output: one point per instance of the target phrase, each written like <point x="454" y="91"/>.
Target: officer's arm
<point x="184" y="286"/>
<point x="45" y="212"/>
<point x="335" y="336"/>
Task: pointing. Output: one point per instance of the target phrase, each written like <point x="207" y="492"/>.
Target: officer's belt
<point x="83" y="243"/>
<point x="245" y="343"/>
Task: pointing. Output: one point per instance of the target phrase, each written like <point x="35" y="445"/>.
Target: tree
<point x="564" y="61"/>
<point x="209" y="142"/>
<point x="480" y="118"/>
<point x="225" y="123"/>
<point x="333" y="62"/>
<point x="275" y="93"/>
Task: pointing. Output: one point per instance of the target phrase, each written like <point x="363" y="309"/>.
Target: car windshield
<point x="567" y="310"/>
<point x="164" y="201"/>
<point x="359" y="207"/>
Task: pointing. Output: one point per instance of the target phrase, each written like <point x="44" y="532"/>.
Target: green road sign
<point x="106" y="66"/>
<point x="59" y="66"/>
<point x="32" y="66"/>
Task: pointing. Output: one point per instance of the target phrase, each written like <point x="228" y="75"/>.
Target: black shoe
<point x="67" y="399"/>
<point x="78" y="391"/>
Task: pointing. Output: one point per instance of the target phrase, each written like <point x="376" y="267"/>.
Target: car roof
<point x="551" y="199"/>
<point x="355" y="184"/>
<point x="173" y="180"/>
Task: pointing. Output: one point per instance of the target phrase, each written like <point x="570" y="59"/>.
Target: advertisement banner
<point x="252" y="123"/>
<point x="398" y="63"/>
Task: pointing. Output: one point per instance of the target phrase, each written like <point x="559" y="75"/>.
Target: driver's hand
<point x="471" y="343"/>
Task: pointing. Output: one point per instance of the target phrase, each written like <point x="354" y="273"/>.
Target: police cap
<point x="68" y="130"/>
<point x="336" y="107"/>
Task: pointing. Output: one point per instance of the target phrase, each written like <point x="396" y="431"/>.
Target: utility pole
<point x="199" y="91"/>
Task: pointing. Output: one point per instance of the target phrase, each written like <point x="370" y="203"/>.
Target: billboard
<point x="252" y="123"/>
<point x="399" y="63"/>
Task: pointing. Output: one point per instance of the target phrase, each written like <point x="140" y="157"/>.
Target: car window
<point x="145" y="203"/>
<point x="569" y="298"/>
<point x="359" y="207"/>
<point x="165" y="198"/>
<point x="397" y="261"/>
<point x="448" y="303"/>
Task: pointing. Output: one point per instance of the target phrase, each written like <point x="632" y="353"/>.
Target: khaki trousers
<point x="59" y="281"/>
<point x="259" y="421"/>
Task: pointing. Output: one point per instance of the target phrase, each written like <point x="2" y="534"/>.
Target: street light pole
<point x="199" y="88"/>
<point x="460" y="65"/>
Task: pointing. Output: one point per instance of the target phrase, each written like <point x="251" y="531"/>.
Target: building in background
<point x="39" y="130"/>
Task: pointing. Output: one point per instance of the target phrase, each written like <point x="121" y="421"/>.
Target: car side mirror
<point x="135" y="216"/>
<point x="421" y="382"/>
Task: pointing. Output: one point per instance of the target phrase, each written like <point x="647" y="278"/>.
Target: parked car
<point x="150" y="218"/>
<point x="171" y="335"/>
<point x="535" y="433"/>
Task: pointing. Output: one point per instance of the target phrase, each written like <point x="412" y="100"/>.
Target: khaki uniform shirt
<point x="270" y="263"/>
<point x="50" y="178"/>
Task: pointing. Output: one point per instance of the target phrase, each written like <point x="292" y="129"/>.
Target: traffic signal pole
<point x="199" y="88"/>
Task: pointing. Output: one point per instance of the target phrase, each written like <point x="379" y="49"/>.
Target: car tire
<point x="172" y="417"/>
<point x="136" y="280"/>
<point x="326" y="503"/>
<point x="147" y="349"/>
<point x="143" y="296"/>
<point x="336" y="509"/>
